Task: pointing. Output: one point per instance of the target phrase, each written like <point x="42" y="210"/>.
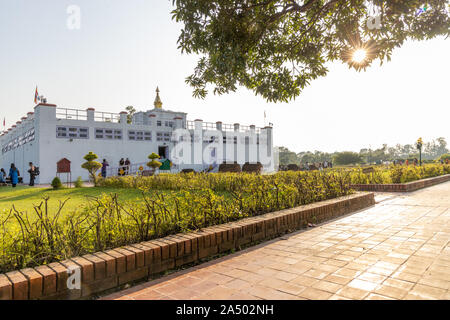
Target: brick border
<point x="111" y="269"/>
<point x="402" y="187"/>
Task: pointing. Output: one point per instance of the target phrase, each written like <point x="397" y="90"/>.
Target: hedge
<point x="398" y="174"/>
<point x="189" y="202"/>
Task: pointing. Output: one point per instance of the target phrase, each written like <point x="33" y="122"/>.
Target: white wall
<point x="21" y="155"/>
<point x="47" y="149"/>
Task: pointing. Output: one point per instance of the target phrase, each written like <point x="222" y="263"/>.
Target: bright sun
<point x="359" y="55"/>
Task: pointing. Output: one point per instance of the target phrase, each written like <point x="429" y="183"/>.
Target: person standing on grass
<point x="14" y="175"/>
<point x="2" y="176"/>
<point x="127" y="166"/>
<point x="32" y="172"/>
<point x="121" y="167"/>
<point x="105" y="165"/>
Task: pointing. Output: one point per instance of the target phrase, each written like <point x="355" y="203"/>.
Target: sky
<point x="125" y="49"/>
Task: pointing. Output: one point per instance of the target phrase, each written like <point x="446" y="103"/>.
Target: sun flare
<point x="359" y="55"/>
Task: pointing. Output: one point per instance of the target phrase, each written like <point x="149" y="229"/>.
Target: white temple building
<point x="50" y="134"/>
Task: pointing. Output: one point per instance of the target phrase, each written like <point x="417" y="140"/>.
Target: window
<point x="163" y="136"/>
<point x="140" y="135"/>
<point x="167" y="136"/>
<point x="229" y="139"/>
<point x="108" y="134"/>
<point x="19" y="141"/>
<point x="210" y="139"/>
<point x="182" y="138"/>
<point x="61" y="132"/>
<point x="159" y="123"/>
<point x="72" y="132"/>
<point x="169" y="124"/>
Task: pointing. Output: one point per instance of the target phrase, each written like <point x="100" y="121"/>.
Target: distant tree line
<point x="432" y="150"/>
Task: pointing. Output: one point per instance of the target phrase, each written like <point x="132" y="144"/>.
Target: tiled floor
<point x="398" y="249"/>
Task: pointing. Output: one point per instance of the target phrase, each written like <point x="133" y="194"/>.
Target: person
<point x="2" y="176"/>
<point x="105" y="165"/>
<point x="32" y="172"/>
<point x="121" y="168"/>
<point x="14" y="175"/>
<point x="127" y="166"/>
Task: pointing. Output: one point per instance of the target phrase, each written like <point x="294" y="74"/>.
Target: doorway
<point x="163" y="152"/>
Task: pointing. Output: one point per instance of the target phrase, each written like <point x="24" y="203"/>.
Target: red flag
<point x="36" y="96"/>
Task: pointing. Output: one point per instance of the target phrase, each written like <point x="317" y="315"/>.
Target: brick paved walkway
<point x="398" y="249"/>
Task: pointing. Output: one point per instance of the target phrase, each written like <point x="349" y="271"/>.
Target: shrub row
<point x="398" y="174"/>
<point x="190" y="202"/>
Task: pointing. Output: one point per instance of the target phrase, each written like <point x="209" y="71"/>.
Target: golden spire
<point x="158" y="103"/>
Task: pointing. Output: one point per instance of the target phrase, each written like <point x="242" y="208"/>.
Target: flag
<point x="4" y="123"/>
<point x="36" y="96"/>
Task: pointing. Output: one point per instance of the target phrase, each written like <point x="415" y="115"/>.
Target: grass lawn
<point x="24" y="197"/>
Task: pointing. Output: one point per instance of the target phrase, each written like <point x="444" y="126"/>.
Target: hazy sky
<point x="124" y="49"/>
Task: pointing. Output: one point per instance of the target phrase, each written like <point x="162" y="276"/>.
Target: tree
<point x="435" y="148"/>
<point x="131" y="111"/>
<point x="277" y="47"/>
<point x="346" y="157"/>
<point x="154" y="164"/>
<point x="287" y="157"/>
<point x="92" y="166"/>
<point x="307" y="156"/>
<point x="409" y="151"/>
<point x="442" y="148"/>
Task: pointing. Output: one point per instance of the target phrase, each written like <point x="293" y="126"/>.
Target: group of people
<point x="14" y="175"/>
<point x="318" y="165"/>
<point x="406" y="162"/>
<point x="124" y="167"/>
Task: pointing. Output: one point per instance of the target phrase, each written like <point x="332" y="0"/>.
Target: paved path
<point x="398" y="249"/>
